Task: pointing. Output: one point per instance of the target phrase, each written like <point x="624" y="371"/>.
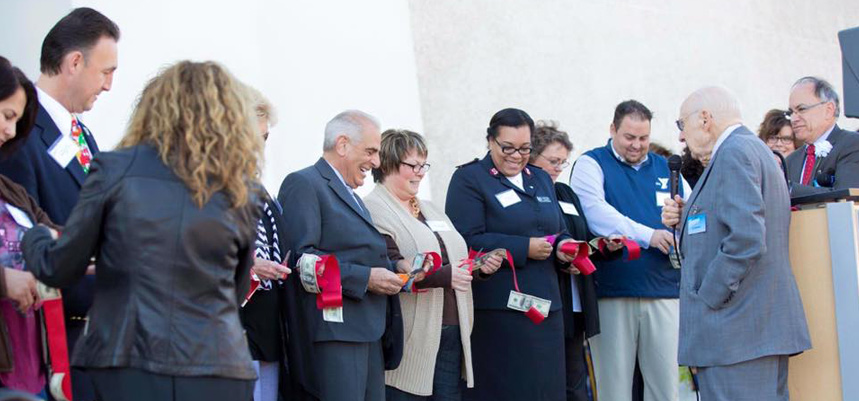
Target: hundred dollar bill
<point x="334" y="315"/>
<point x="307" y="272"/>
<point x="523" y="302"/>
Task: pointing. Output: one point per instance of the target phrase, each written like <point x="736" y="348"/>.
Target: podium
<point x="824" y="255"/>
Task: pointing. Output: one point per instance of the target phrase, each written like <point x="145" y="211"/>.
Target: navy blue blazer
<point x="55" y="190"/>
<point x="486" y="224"/>
<point x="321" y="217"/>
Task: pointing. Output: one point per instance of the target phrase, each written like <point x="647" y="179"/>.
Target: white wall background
<point x="574" y="61"/>
<point x="312" y="59"/>
<point x="443" y="67"/>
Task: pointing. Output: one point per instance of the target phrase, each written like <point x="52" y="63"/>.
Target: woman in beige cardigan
<point x="437" y="322"/>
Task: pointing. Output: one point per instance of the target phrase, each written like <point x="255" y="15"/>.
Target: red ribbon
<point x="532" y="312"/>
<point x="633" y="251"/>
<point x="60" y="380"/>
<point x="472" y="255"/>
<point x="256" y="282"/>
<point x="408" y="282"/>
<point x="331" y="294"/>
<point x="581" y="261"/>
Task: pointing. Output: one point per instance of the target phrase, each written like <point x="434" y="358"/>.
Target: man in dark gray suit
<point x="334" y="360"/>
<point x="741" y="315"/>
<point x="829" y="159"/>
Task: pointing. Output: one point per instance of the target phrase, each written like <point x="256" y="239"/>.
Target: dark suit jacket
<point x="323" y="218"/>
<point x="842" y="160"/>
<point x="485" y="223"/>
<point x="55" y="190"/>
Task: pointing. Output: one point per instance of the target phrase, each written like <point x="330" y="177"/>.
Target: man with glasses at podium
<point x="829" y="160"/>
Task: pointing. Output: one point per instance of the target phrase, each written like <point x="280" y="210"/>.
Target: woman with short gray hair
<point x="438" y="313"/>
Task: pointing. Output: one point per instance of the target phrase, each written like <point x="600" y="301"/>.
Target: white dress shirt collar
<point x="824" y="137"/>
<point x="516" y="180"/>
<point x="725" y="134"/>
<point x="621" y="158"/>
<point x="59" y="115"/>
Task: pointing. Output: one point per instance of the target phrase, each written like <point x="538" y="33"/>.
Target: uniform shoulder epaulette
<point x="466" y="164"/>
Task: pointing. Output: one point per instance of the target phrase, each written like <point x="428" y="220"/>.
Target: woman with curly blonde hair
<point x="170" y="218"/>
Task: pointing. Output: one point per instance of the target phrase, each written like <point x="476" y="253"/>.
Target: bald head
<point x="704" y="115"/>
<point x="719" y="102"/>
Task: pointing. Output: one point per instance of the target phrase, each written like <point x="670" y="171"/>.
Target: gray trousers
<point x="350" y="371"/>
<point x="762" y="379"/>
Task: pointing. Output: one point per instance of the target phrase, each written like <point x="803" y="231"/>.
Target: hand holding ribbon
<point x="423" y="265"/>
<point x="633" y="250"/>
<point x="578" y="254"/>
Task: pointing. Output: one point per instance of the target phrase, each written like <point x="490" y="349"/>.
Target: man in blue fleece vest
<point x="622" y="187"/>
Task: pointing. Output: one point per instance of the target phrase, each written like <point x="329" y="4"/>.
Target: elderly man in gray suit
<point x="741" y="315"/>
<point x="338" y="357"/>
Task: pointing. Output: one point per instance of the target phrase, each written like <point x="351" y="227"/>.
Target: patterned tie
<point x="84" y="156"/>
<point x="809" y="165"/>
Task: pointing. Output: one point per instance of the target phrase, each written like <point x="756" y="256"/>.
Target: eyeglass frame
<point x="418" y="168"/>
<point x="555" y="163"/>
<point x="803" y="108"/>
<point x="509" y="150"/>
<point x="680" y="124"/>
<point x="783" y="139"/>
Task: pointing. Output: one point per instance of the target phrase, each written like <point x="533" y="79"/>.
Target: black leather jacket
<point x="168" y="274"/>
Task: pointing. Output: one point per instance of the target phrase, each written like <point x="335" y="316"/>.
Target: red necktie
<point x="809" y="165"/>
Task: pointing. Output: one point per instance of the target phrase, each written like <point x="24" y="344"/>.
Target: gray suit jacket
<point x="738" y="296"/>
<point x="321" y="217"/>
<point x="842" y="161"/>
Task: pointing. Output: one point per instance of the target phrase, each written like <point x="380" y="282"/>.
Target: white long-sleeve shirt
<point x="587" y="181"/>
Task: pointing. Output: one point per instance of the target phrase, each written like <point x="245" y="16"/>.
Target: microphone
<point x="674" y="164"/>
<point x="826" y="178"/>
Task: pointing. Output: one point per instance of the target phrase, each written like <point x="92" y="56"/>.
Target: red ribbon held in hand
<point x="320" y="275"/>
<point x="581" y="261"/>
<point x="53" y="320"/>
<point x="633" y="251"/>
<point x="409" y="279"/>
<point x="532" y="313"/>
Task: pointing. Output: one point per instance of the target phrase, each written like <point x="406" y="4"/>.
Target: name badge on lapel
<point x="697" y="224"/>
<point x="544" y="199"/>
<point x="508" y="198"/>
<point x="568" y="208"/>
<point x="63" y="150"/>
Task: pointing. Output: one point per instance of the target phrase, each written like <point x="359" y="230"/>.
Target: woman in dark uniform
<point x="551" y="149"/>
<point x="502" y="202"/>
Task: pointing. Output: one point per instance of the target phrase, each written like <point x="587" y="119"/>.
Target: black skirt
<point x="261" y="318"/>
<point x="515" y="359"/>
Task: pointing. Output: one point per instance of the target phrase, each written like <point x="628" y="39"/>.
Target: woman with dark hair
<point x="15" y="122"/>
<point x="776" y="132"/>
<point x="20" y="346"/>
<point x="502" y="202"/>
<point x="171" y="219"/>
